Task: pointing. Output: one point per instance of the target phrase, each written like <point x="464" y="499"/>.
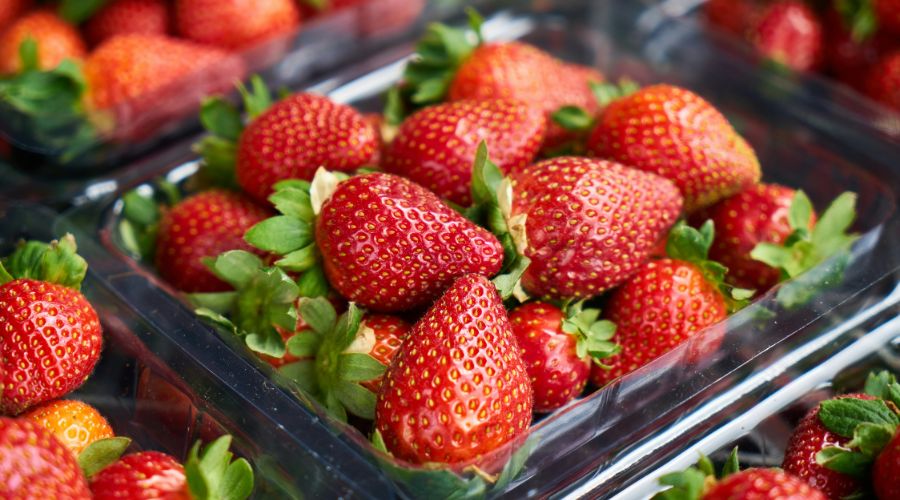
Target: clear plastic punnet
<point x="605" y="441"/>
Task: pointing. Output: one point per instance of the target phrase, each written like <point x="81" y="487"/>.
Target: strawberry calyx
<point x="492" y="197"/>
<point x="55" y="262"/>
<point x="79" y="11"/>
<point x="577" y="119"/>
<point x="141" y="214"/>
<point x="806" y="249"/>
<point x="213" y="473"/>
<point x="693" y="482"/>
<point x="859" y="17"/>
<point x="869" y="423"/>
<point x="101" y="453"/>
<point x="688" y="244"/>
<point x="592" y="334"/>
<point x="263" y="300"/>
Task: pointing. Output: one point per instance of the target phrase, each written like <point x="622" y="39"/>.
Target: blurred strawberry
<point x="36" y="465"/>
<point x="888" y="14"/>
<point x="126" y="17"/>
<point x="734" y="16"/>
<point x="790" y="33"/>
<point x="10" y="10"/>
<point x="235" y="24"/>
<point x="883" y="81"/>
<point x="385" y="17"/>
<point x="56" y="41"/>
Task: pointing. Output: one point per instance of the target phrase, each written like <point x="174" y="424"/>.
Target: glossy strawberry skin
<point x="126" y="17"/>
<point x="389" y="244"/>
<point x="56" y="40"/>
<point x="757" y="215"/>
<point x="614" y="213"/>
<point x="74" y="423"/>
<point x="144" y="475"/>
<point x="883" y="81"/>
<point x="49" y="345"/>
<point x="762" y="484"/>
<point x="296" y="136"/>
<point x="457" y="388"/>
<point x="676" y="134"/>
<point x="36" y="465"/>
<point x="557" y="374"/>
<point x="389" y="332"/>
<point x="809" y="438"/>
<point x="235" y="24"/>
<point x="667" y="302"/>
<point x="887" y="470"/>
<point x="790" y="33"/>
<point x="436" y="146"/>
<point x="204" y="225"/>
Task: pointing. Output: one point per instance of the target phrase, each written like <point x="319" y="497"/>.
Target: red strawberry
<point x="235" y="24"/>
<point x="143" y="475"/>
<point x="387" y="333"/>
<point x="614" y="213"/>
<point x="56" y="41"/>
<point x="886" y="470"/>
<point x="36" y="465"/>
<point x="12" y="9"/>
<point x="298" y="135"/>
<point x="734" y="16"/>
<point x="762" y="484"/>
<point x="789" y="33"/>
<point x="759" y="214"/>
<point x="558" y="348"/>
<point x="883" y="81"/>
<point x="674" y="133"/>
<point x="809" y="438"/>
<point x="664" y="304"/>
<point x="435" y="146"/>
<point x="888" y="13"/>
<point x="457" y="388"/>
<point x="201" y="226"/>
<point x="391" y="245"/>
<point x="126" y="17"/>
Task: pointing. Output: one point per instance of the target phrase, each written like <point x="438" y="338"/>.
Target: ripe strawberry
<point x="888" y="13"/>
<point x="674" y="133"/>
<point x="789" y="33"/>
<point x="298" y="135"/>
<point x="886" y="470"/>
<point x="75" y="424"/>
<point x="36" y="465"/>
<point x="457" y="388"/>
<point x="558" y="349"/>
<point x="759" y="214"/>
<point x="387" y="334"/>
<point x="734" y="16"/>
<point x="127" y="17"/>
<point x="203" y="225"/>
<point x="12" y="9"/>
<point x="665" y="303"/>
<point x="850" y="53"/>
<point x="763" y="484"/>
<point x="615" y="213"/>
<point x="55" y="38"/>
<point x="435" y="146"/>
<point x="235" y="24"/>
<point x="883" y="81"/>
<point x="810" y="437"/>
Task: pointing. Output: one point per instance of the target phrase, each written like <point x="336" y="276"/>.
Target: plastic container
<point x="603" y="435"/>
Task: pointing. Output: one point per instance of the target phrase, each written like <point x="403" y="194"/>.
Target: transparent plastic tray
<point x="603" y="434"/>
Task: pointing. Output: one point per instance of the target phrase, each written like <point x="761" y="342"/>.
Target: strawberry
<point x="615" y="213"/>
<point x="298" y="135"/>
<point x="457" y="388"/>
<point x="153" y="475"/>
<point x="126" y="17"/>
<point x="665" y="303"/>
<point x="11" y="10"/>
<point x="435" y="146"/>
<point x="36" y="465"/>
<point x="886" y="470"/>
<point x="203" y="225"/>
<point x="733" y="16"/>
<point x="235" y="24"/>
<point x="888" y="14"/>
<point x="558" y="349"/>
<point x="789" y="33"/>
<point x="74" y="423"/>
<point x="850" y="50"/>
<point x="883" y="81"/>
<point x="674" y="133"/>
<point x="51" y="339"/>
<point x="56" y="41"/>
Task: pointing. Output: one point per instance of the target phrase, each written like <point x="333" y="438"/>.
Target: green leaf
<point x="685" y="485"/>
<point x="300" y="260"/>
<point x="689" y="244"/>
<point x="221" y="118"/>
<point x="870" y="439"/>
<point x="101" y="453"/>
<point x="28" y="55"/>
<point x="293" y="202"/>
<point x="220" y="302"/>
<point x="705" y="465"/>
<point x="842" y="416"/>
<point x="486" y="177"/>
<point x="883" y="385"/>
<point x="79" y="11"/>
<point x="846" y="462"/>
<point x="140" y="209"/>
<point x="607" y="92"/>
<point x="257" y="99"/>
<point x="573" y="118"/>
<point x="830" y="233"/>
<point x="378" y="442"/>
<point x="266" y="342"/>
<point x="347" y="327"/>
<point x="318" y="313"/>
<point x="732" y="465"/>
<point x="356" y="367"/>
<point x="280" y="234"/>
<point x="212" y="474"/>
<point x="801" y="211"/>
<point x="219" y="161"/>
<point x="859" y="16"/>
<point x="476" y="23"/>
<point x="304" y="344"/>
<point x="394" y="110"/>
<point x="302" y="373"/>
<point x="313" y="283"/>
<point x="236" y="267"/>
<point x="506" y="283"/>
<point x="57" y="262"/>
<point x="356" y="399"/>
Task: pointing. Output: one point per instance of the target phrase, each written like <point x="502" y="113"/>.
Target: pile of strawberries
<point x="854" y="41"/>
<point x="50" y="341"/>
<point x="438" y="269"/>
<point x="845" y="447"/>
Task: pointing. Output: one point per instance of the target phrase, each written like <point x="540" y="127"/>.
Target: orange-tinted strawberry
<point x="435" y="146"/>
<point x="678" y="135"/>
<point x="56" y="41"/>
<point x="762" y="484"/>
<point x="298" y="135"/>
<point x="235" y="24"/>
<point x="457" y="388"/>
<point x="789" y="32"/>
<point x="143" y="475"/>
<point x="127" y="17"/>
<point x="203" y="225"/>
<point x="883" y="81"/>
<point x="36" y="465"/>
<point x="74" y="423"/>
<point x="12" y="9"/>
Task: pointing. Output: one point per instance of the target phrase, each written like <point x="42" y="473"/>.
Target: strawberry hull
<point x="602" y="443"/>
